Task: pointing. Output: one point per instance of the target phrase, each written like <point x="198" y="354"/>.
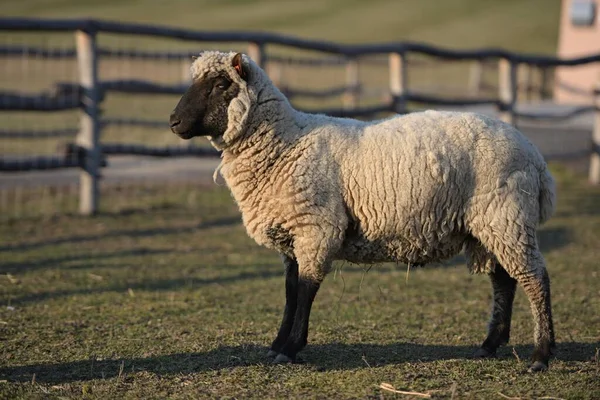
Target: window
<point x="582" y="12"/>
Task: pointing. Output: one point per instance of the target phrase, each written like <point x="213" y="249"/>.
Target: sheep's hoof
<point x="538" y="366"/>
<point x="272" y="353"/>
<point x="483" y="353"/>
<point x="283" y="359"/>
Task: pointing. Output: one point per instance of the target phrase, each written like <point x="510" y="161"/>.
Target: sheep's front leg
<point x="298" y="336"/>
<point x="499" y="329"/>
<point x="315" y="245"/>
<point x="291" y="297"/>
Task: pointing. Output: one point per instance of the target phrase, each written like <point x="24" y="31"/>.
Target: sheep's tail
<point x="547" y="195"/>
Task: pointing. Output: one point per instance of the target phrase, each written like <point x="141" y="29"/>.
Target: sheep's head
<point x="216" y="104"/>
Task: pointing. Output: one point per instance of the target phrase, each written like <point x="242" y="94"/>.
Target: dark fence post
<point x="89" y="134"/>
<point x="594" y="173"/>
<point x="545" y="83"/>
<point x="507" y="88"/>
<point x="526" y="74"/>
<point x="398" y="81"/>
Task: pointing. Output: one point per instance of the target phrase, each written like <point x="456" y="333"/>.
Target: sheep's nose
<point x="174" y="121"/>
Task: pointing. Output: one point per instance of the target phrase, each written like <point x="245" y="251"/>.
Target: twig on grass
<point x="508" y="397"/>
<point x="366" y="362"/>
<point x="121" y="371"/>
<point x="390" y="388"/>
<point x="514" y="351"/>
<point x="453" y="390"/>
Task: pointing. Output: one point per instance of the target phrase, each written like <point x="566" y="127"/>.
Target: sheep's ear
<point x="239" y="66"/>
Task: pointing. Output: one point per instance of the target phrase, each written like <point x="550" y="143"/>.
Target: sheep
<point x="414" y="189"/>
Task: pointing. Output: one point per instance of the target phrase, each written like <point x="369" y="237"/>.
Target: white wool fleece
<point x="416" y="188"/>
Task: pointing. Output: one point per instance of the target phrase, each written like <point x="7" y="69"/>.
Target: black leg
<point x="291" y="297"/>
<point x="499" y="329"/>
<point x="298" y="336"/>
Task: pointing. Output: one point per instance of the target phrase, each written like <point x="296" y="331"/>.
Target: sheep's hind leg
<point x="291" y="297"/>
<point x="499" y="329"/>
<point x="298" y="336"/>
<point x="524" y="263"/>
<point x="536" y="284"/>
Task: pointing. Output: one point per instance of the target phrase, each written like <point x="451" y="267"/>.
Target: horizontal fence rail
<point x="88" y="93"/>
<point x="95" y="26"/>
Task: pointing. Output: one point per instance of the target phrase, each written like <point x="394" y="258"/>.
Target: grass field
<point x="170" y="299"/>
<point x="520" y="25"/>
<point x="163" y="295"/>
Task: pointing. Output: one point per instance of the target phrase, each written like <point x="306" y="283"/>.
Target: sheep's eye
<point x="222" y="84"/>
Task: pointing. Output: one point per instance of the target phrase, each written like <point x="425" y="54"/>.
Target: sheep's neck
<point x="266" y="138"/>
<point x="260" y="151"/>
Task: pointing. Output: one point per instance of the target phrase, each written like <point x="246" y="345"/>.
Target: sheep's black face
<point x="202" y="111"/>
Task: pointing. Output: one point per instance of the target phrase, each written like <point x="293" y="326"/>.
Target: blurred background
<point x="163" y="281"/>
<point x="42" y="63"/>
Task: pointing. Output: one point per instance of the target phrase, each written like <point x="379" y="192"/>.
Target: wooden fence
<point x="88" y="153"/>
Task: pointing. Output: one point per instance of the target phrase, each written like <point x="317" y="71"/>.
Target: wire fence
<point x="142" y="70"/>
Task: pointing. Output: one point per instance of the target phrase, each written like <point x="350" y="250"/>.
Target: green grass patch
<point x="520" y="25"/>
<point x="166" y="297"/>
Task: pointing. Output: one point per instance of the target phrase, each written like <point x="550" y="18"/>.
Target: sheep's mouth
<point x="185" y="135"/>
<point x="182" y="131"/>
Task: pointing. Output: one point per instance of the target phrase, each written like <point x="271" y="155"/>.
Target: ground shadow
<point x="259" y="271"/>
<point x="130" y="233"/>
<point x="333" y="356"/>
<point x="553" y="238"/>
<point x="88" y="260"/>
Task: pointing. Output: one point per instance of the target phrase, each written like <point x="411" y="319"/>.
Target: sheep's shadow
<point x="321" y="357"/>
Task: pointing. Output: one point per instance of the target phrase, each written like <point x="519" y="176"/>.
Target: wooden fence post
<point x="475" y="77"/>
<point x="351" y="96"/>
<point x="507" y="89"/>
<point x="594" y="173"/>
<point x="89" y="134"/>
<point x="544" y="83"/>
<point x="526" y="72"/>
<point x="398" y="81"/>
<point x="256" y="51"/>
<point x="275" y="72"/>
<point x="186" y="72"/>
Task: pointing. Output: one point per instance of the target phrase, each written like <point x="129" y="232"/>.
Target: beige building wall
<point x="575" y="84"/>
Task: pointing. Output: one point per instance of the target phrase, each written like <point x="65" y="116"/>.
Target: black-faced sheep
<point x="414" y="189"/>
